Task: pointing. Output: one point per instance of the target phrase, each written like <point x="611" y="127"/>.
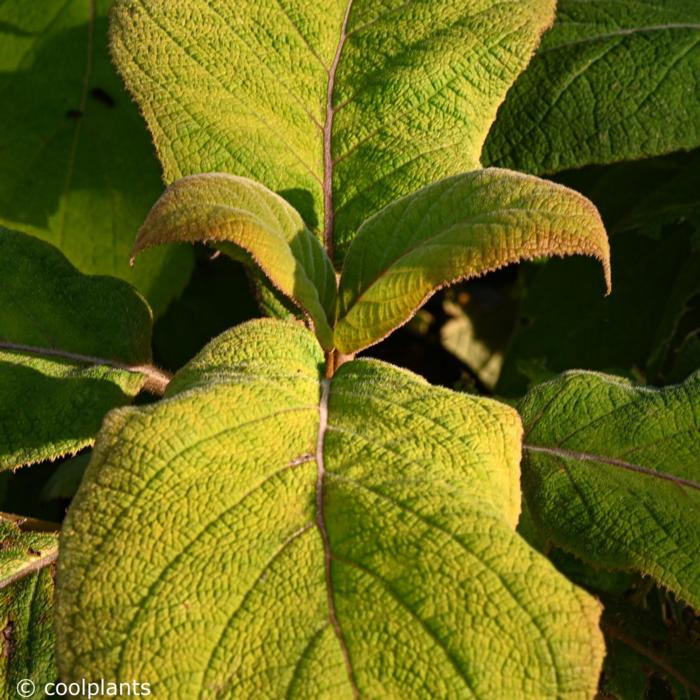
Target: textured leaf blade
<point x="262" y="228"/>
<point x="612" y="81"/>
<point x="611" y="473"/>
<point x="26" y="606"/>
<point x="342" y="107"/>
<point x="98" y="174"/>
<point x="67" y="343"/>
<point x="454" y="229"/>
<point x="358" y="538"/>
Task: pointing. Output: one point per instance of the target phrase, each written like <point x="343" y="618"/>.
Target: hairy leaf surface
<point x="457" y="228"/>
<point x="613" y="80"/>
<point x="340" y="106"/>
<point x="26" y="607"/>
<point x="67" y="343"/>
<point x="263" y="532"/>
<point x="255" y="226"/>
<point x="77" y="167"/>
<point x="612" y="473"/>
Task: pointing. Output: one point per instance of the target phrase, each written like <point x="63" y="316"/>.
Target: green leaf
<point x="255" y="226"/>
<point x="643" y="649"/>
<point x="611" y="473"/>
<point x="77" y="166"/>
<point x="642" y="195"/>
<point x="457" y="228"/>
<point x="612" y="81"/>
<point x="558" y="332"/>
<point x="26" y="606"/>
<point x="71" y="348"/>
<point x="319" y="538"/>
<point x="340" y="106"/>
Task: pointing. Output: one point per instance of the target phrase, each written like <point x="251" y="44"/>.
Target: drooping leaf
<point x="612" y="81"/>
<point x="26" y="607"/>
<point x="255" y="226"/>
<point x="71" y="348"/>
<point x="611" y="473"/>
<point x="351" y="537"/>
<point x="457" y="228"/>
<point x="340" y="106"/>
<point x="558" y="332"/>
<point x="77" y="166"/>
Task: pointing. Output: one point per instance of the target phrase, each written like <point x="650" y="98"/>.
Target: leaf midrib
<point x="620" y="32"/>
<point x="321" y="525"/>
<point x="157" y="380"/>
<point x="613" y="462"/>
<point x="328" y="214"/>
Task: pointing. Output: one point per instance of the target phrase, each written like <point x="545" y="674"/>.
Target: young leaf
<point x="611" y="473"/>
<point x="340" y="106"/>
<point x="255" y="226"/>
<point x="71" y="348"/>
<point x="351" y="537"/>
<point x="77" y="166"/>
<point x="26" y="606"/>
<point x="612" y="81"/>
<point x="457" y="228"/>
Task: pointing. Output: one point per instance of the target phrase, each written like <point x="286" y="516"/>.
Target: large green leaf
<point x="255" y="226"/>
<point x="612" y="473"/>
<point x="613" y="80"/>
<point x="26" y="607"/>
<point x="263" y="532"/>
<point x="71" y="348"/>
<point x="460" y="227"/>
<point x="340" y="106"/>
<point x="77" y="168"/>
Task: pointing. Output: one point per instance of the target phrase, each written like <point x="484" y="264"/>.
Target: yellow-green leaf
<point x="457" y="228"/>
<point x="340" y="106"/>
<point x="254" y="225"/>
<point x="263" y="532"/>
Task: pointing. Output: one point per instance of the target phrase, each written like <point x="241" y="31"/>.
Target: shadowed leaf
<point x="611" y="81"/>
<point x="71" y="348"/>
<point x="611" y="473"/>
<point x="77" y="166"/>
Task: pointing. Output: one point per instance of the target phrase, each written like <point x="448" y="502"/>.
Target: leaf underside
<point x="612" y="81"/>
<point x="255" y="226"/>
<point x="611" y="472"/>
<point x="77" y="166"/>
<point x="265" y="533"/>
<point x="457" y="228"/>
<point x="56" y="327"/>
<point x="341" y="107"/>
